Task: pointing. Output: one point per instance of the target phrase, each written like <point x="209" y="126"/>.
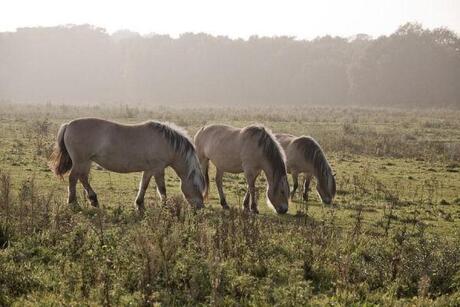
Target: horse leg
<point x="204" y="162"/>
<point x="247" y="198"/>
<point x="220" y="189"/>
<point x="84" y="173"/>
<point x="161" y="186"/>
<point x="73" y="178"/>
<point x="146" y="175"/>
<point x="306" y="186"/>
<point x="251" y="179"/>
<point x="295" y="179"/>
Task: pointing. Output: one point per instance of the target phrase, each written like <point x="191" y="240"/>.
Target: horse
<point x="149" y="147"/>
<point x="304" y="155"/>
<point x="250" y="150"/>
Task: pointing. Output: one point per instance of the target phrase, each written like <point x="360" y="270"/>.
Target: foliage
<point x="177" y="256"/>
<point x="83" y="64"/>
<point x="392" y="237"/>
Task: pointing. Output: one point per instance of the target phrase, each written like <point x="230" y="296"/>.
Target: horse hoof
<point x="140" y="212"/>
<point x="198" y="207"/>
<point x="75" y="206"/>
<point x="139" y="207"/>
<point x="224" y="204"/>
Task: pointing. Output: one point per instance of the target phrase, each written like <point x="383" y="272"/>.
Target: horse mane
<point x="314" y="154"/>
<point x="177" y="137"/>
<point x="271" y="149"/>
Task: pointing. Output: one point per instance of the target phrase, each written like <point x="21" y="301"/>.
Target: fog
<point x="84" y="64"/>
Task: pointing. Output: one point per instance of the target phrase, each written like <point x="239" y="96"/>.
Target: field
<point x="392" y="236"/>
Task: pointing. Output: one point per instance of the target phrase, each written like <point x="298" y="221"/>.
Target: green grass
<point x="391" y="237"/>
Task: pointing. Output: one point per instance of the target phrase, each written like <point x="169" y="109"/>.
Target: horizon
<point x="178" y="36"/>
<point x="236" y="20"/>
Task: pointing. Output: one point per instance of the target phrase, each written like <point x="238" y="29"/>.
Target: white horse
<point x="250" y="150"/>
<point x="149" y="147"/>
<point x="304" y="155"/>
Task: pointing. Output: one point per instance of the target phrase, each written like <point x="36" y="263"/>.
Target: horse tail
<point x="60" y="161"/>
<point x="205" y="168"/>
<point x="204" y="161"/>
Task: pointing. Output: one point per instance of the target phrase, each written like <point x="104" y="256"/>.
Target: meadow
<point x="391" y="237"/>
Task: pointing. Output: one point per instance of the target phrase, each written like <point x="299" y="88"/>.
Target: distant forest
<point x="413" y="67"/>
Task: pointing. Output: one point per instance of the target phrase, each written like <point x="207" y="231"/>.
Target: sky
<point x="237" y="18"/>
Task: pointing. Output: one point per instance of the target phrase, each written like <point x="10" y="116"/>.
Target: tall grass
<point x="178" y="256"/>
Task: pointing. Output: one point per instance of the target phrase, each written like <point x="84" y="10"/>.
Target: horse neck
<point x="317" y="169"/>
<point x="181" y="167"/>
<point x="269" y="171"/>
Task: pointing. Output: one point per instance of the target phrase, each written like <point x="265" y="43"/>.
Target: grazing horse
<point x="149" y="147"/>
<point x="304" y="155"/>
<point x="250" y="150"/>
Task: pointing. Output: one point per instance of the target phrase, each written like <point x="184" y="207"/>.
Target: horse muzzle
<point x="198" y="205"/>
<point x="282" y="209"/>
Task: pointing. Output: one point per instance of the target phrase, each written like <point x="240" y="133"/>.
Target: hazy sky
<point x="236" y="18"/>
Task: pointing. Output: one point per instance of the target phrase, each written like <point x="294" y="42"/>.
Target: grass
<point x="391" y="237"/>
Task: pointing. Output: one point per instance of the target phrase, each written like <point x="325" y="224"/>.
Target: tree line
<point x="413" y="67"/>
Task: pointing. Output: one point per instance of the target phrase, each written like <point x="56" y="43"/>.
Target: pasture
<point x="391" y="237"/>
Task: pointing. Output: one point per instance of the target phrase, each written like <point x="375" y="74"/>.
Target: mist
<point x="84" y="64"/>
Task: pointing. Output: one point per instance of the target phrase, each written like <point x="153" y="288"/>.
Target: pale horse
<point x="250" y="150"/>
<point x="148" y="147"/>
<point x="304" y="155"/>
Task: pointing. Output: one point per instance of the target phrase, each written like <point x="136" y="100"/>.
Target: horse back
<point x="117" y="147"/>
